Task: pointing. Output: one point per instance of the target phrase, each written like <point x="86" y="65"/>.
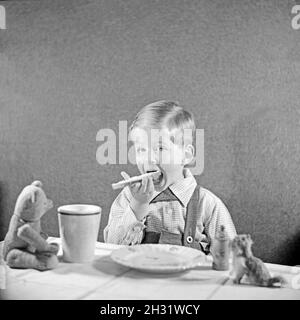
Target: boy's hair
<point x="166" y="114"/>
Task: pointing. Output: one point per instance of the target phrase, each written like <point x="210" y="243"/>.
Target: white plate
<point x="159" y="258"/>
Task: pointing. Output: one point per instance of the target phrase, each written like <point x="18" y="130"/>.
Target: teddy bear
<point x="25" y="245"/>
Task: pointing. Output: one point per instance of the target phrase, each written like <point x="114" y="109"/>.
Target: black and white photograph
<point x="149" y="151"/>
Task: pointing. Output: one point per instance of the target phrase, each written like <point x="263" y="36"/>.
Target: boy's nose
<point x="153" y="158"/>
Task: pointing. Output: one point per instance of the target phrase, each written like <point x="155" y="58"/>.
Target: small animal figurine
<point x="25" y="245"/>
<point x="244" y="263"/>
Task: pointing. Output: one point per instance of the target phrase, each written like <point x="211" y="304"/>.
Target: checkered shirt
<point x="171" y="215"/>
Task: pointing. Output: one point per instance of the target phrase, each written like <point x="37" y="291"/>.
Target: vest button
<point x="189" y="239"/>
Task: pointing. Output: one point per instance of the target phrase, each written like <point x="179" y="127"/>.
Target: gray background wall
<point x="70" y="68"/>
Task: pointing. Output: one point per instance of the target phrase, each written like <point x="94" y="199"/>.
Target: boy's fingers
<point x="134" y="241"/>
<point x="140" y="189"/>
<point x="125" y="175"/>
<point x="135" y="186"/>
<point x="124" y="242"/>
<point x="131" y="239"/>
<point x="150" y="185"/>
<point x="144" y="185"/>
<point x="127" y="240"/>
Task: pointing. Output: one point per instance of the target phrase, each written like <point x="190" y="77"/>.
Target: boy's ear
<point x="189" y="154"/>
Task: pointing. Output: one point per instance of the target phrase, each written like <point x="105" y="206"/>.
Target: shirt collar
<point x="184" y="188"/>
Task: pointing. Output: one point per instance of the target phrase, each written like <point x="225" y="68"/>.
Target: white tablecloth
<point x="104" y="279"/>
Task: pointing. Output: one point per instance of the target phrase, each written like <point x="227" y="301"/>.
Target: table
<point x="103" y="279"/>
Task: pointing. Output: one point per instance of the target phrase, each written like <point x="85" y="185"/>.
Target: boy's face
<point x="156" y="151"/>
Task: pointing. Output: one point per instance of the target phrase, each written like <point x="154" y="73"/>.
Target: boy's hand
<point x="134" y="234"/>
<point x="143" y="191"/>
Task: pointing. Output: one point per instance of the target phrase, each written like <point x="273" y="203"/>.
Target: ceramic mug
<point x="78" y="229"/>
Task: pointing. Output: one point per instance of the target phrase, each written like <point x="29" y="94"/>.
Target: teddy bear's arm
<point x="32" y="237"/>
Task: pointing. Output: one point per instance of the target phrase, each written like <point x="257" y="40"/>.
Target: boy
<point x="168" y="207"/>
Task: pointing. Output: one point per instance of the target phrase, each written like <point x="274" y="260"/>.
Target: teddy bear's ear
<point x="37" y="183"/>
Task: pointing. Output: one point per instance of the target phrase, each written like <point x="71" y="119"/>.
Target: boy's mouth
<point x="159" y="179"/>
